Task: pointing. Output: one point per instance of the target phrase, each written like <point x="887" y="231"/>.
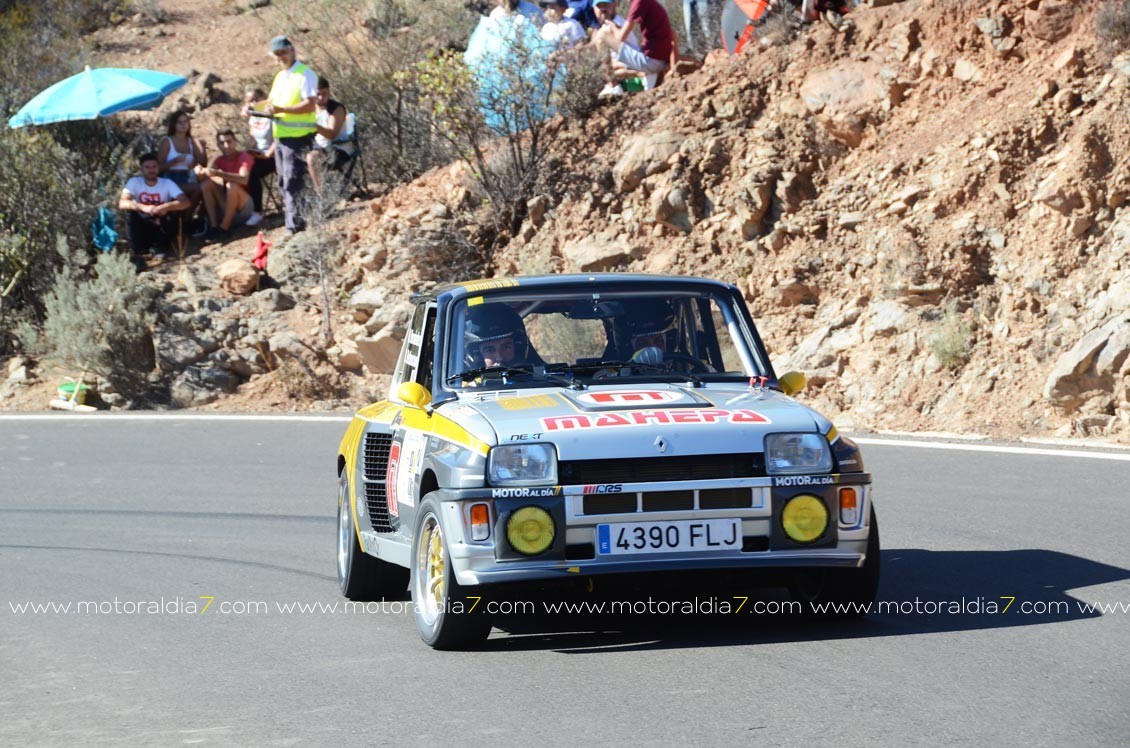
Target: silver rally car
<point x="571" y="426"/>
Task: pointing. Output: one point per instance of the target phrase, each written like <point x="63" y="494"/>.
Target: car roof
<point x="572" y="281"/>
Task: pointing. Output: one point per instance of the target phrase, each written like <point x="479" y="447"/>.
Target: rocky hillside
<point x="926" y="210"/>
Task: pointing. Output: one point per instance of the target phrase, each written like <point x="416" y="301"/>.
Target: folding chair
<point x="355" y="158"/>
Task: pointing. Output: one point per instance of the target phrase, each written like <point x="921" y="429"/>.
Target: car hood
<point x="640" y="420"/>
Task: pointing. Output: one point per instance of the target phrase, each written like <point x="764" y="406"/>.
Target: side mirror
<point x="791" y="383"/>
<point x="414" y="394"/>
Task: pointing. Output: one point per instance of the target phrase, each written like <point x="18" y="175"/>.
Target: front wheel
<point x="445" y="614"/>
<point x="361" y="576"/>
<point x="840" y="593"/>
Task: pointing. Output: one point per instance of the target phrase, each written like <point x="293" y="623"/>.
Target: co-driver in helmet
<point x="495" y="336"/>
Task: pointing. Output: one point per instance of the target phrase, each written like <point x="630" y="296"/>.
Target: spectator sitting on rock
<point x="509" y="8"/>
<point x="179" y="152"/>
<point x="333" y="141"/>
<point x="152" y="205"/>
<point x="563" y="33"/>
<point x="658" y="49"/>
<point x="614" y="70"/>
<point x="225" y="187"/>
<point x="263" y="144"/>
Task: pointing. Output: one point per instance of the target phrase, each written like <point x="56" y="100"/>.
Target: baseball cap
<point x="279" y="43"/>
<point x="602" y="2"/>
<point x="548" y="3"/>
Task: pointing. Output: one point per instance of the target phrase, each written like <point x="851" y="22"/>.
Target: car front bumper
<point x="580" y="510"/>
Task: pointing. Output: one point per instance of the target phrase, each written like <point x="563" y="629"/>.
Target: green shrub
<point x="1113" y="22"/>
<point x="952" y="342"/>
<point x="98" y="320"/>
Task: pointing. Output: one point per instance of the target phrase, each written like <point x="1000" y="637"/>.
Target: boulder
<point x="887" y="318"/>
<point x="287" y="342"/>
<point x="1051" y="20"/>
<point x="848" y="95"/>
<point x="198" y="385"/>
<point x="1092" y="368"/>
<point x="536" y="208"/>
<point x="238" y="277"/>
<point x="596" y="254"/>
<point x="345" y="356"/>
<point x="175" y="352"/>
<point x="379" y="353"/>
<point x="364" y="301"/>
<point x="793" y="190"/>
<point x="273" y="300"/>
<point x="644" y="155"/>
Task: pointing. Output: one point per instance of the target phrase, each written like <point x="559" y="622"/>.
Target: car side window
<point x="424" y="372"/>
<point x="411" y="360"/>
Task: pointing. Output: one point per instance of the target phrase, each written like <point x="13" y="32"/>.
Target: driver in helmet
<point x="649" y="321"/>
<point x="650" y="327"/>
<point x="495" y="336"/>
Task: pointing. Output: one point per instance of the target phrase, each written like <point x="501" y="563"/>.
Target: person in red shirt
<point x="659" y="48"/>
<point x="225" y="186"/>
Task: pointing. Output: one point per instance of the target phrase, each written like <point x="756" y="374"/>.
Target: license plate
<point x="675" y="536"/>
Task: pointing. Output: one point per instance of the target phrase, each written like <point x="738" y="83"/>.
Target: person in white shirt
<point x="263" y="145"/>
<point x="153" y="205"/>
<point x="563" y="33"/>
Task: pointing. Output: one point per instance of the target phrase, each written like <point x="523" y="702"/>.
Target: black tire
<point x="445" y="615"/>
<point x="840" y="593"/>
<point x="362" y="577"/>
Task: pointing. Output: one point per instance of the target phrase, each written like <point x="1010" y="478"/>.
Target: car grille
<point x="375" y="470"/>
<point x="656" y="469"/>
<point x="667" y="501"/>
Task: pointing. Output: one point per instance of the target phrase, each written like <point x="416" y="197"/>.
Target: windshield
<point x="581" y="337"/>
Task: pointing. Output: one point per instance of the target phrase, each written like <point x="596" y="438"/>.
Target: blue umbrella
<point x="97" y="93"/>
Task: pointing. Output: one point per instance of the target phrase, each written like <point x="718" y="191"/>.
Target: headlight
<point x="522" y="465"/>
<point x="792" y="454"/>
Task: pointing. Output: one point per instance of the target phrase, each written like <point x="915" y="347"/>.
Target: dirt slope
<point x="927" y="212"/>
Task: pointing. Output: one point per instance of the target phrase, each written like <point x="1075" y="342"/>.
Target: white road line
<point x="991" y="448"/>
<point x="166" y="417"/>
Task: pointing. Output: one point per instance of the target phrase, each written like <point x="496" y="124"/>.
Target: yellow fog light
<point x="804" y="518"/>
<point x="530" y="530"/>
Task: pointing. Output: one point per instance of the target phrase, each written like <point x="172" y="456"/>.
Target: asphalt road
<point x="242" y="512"/>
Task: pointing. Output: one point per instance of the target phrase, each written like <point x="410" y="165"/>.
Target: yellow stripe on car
<point x="350" y="447"/>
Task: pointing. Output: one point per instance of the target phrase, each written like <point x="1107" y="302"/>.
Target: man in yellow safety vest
<point x="291" y="105"/>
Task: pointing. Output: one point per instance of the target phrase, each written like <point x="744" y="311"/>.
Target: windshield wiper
<point x="489" y="371"/>
<point x="506" y="372"/>
<point x="649" y="368"/>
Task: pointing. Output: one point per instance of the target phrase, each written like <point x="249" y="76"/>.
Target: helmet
<point x="492" y="322"/>
<point x="649" y="317"/>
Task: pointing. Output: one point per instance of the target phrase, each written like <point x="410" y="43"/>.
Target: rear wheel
<point x="445" y="614"/>
<point x="840" y="593"/>
<point x="361" y="576"/>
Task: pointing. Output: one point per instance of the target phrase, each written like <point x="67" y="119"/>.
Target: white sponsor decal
<point x="804" y="480"/>
<point x="630" y="397"/>
<point x="525" y="493"/>
<point x="411" y="460"/>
